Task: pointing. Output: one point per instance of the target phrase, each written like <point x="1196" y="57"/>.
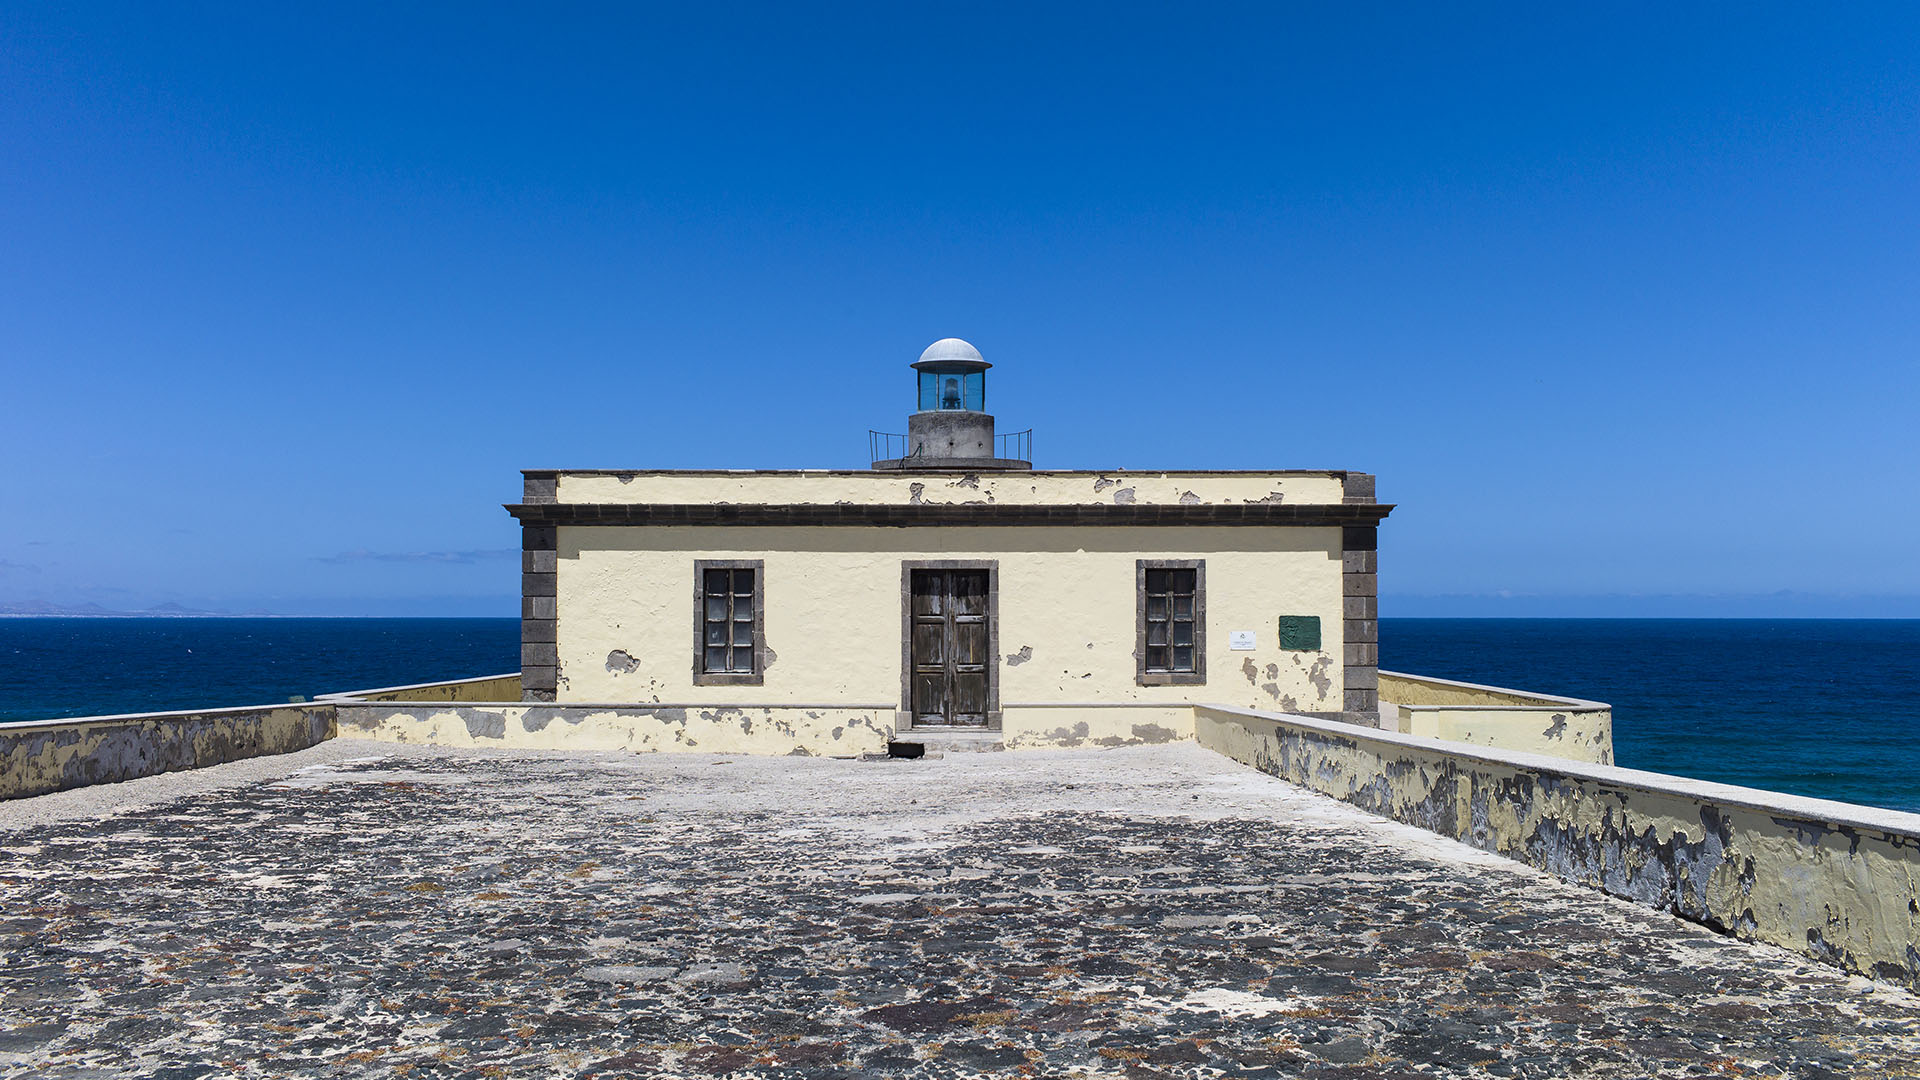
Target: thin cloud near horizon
<point x="451" y="557"/>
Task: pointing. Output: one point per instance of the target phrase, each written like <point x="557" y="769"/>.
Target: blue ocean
<point x="1822" y="707"/>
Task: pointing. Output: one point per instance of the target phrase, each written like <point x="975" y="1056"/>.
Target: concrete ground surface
<point x="365" y="909"/>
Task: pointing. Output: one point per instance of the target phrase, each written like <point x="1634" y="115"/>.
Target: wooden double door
<point x="949" y="647"/>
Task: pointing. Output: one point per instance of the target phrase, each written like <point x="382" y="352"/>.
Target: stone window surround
<point x="1196" y="677"/>
<point x="756" y="677"/>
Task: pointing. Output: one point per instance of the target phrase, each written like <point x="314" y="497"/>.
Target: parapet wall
<point x="484" y="688"/>
<point x="1497" y="717"/>
<point x="1837" y="882"/>
<point x="52" y="755"/>
<point x="40" y="756"/>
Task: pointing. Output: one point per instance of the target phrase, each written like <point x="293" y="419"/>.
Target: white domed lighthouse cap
<point x="952" y="354"/>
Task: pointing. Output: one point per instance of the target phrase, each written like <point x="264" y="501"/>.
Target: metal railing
<point x="888" y="446"/>
<point x="1017" y="446"/>
<point x="885" y="446"/>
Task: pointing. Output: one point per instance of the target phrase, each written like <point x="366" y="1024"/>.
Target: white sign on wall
<point x="1240" y="640"/>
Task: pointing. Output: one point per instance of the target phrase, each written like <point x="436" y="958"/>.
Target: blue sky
<point x="1620" y="305"/>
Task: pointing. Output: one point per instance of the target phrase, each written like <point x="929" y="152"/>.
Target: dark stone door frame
<point x="904" y="720"/>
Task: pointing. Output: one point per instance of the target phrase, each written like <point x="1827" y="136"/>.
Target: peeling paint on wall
<point x="1069" y="594"/>
<point x="1317" y="675"/>
<point x="485" y="724"/>
<point x="866" y="488"/>
<point x="1033" y="727"/>
<point x="1761" y="869"/>
<point x="823" y="732"/>
<point x="1496" y="716"/>
<point x="36" y="758"/>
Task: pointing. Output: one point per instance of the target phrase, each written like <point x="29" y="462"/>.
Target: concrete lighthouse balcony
<point x="933" y="449"/>
<point x="950" y="427"/>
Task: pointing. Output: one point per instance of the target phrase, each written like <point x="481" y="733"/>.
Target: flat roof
<point x="901" y="472"/>
<point x="365" y="907"/>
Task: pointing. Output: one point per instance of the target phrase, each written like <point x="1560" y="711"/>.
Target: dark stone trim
<point x="1360" y="625"/>
<point x="904" y="718"/>
<point x="1357" y="517"/>
<point x="1358" y="488"/>
<point x="1363" y="538"/>
<point x="703" y="677"/>
<point x="541" y="487"/>
<point x="1196" y="677"/>
<point x="539" y="613"/>
<point x="539" y="674"/>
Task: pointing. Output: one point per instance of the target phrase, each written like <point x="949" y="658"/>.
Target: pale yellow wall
<point x="1496" y="716"/>
<point x="1576" y="734"/>
<point x="889" y="488"/>
<point x="1426" y="690"/>
<point x="1067" y="598"/>
<point x="820" y="732"/>
<point x="485" y="688"/>
<point x="1069" y="727"/>
<point x="815" y="731"/>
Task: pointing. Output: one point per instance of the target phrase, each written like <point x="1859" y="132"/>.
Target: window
<point x="727" y="622"/>
<point x="953" y="390"/>
<point x="1172" y="624"/>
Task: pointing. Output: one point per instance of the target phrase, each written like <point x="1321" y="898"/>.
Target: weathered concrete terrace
<point x="372" y="909"/>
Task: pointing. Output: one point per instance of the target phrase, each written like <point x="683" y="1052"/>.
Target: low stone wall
<point x="52" y="755"/>
<point x="1497" y="717"/>
<point x="484" y="688"/>
<point x="1837" y="882"/>
<point x="820" y="730"/>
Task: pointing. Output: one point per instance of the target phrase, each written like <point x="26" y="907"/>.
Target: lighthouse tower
<point x="950" y="427"/>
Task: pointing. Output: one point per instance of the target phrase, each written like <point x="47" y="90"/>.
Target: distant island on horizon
<point x="41" y="609"/>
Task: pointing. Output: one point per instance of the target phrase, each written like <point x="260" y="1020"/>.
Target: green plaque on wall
<point x="1300" y="632"/>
